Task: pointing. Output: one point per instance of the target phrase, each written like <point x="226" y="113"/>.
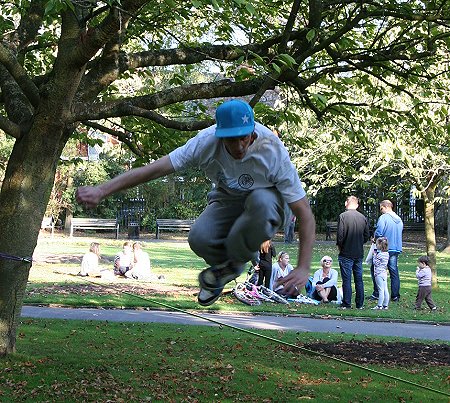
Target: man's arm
<point x="91" y="196"/>
<point x="366" y="232"/>
<point x="340" y="232"/>
<point x="307" y="235"/>
<point x="379" y="230"/>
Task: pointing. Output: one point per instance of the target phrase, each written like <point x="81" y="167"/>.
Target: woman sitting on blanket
<point x="281" y="269"/>
<point x="325" y="281"/>
<point x="89" y="264"/>
<point x="141" y="267"/>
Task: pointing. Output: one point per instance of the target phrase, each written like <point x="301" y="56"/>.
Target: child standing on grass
<point x="380" y="262"/>
<point x="423" y="274"/>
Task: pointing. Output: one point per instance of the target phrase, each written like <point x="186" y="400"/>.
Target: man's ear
<point x="253" y="138"/>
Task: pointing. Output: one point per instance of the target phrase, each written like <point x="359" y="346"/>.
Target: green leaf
<point x="287" y="60"/>
<point x="250" y="8"/>
<point x="322" y="100"/>
<point x="276" y="67"/>
<point x="311" y="35"/>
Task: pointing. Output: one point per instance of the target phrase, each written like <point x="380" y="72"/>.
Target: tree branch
<point x="192" y="55"/>
<point x="271" y="80"/>
<point x="105" y="71"/>
<point x="169" y="123"/>
<point x="123" y="136"/>
<point x="116" y="21"/>
<point x="9" y="127"/>
<point x="30" y="90"/>
<point x="122" y="107"/>
<point x="16" y="104"/>
<point x="30" y="23"/>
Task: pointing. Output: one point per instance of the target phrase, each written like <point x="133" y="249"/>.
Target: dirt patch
<point x="133" y="287"/>
<point x="401" y="354"/>
<point x="57" y="259"/>
<point x="63" y="258"/>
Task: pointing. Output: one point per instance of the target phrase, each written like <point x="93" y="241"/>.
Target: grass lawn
<point x="76" y="361"/>
<point x="52" y="281"/>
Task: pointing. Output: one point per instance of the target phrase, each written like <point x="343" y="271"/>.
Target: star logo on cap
<point x="245" y="119"/>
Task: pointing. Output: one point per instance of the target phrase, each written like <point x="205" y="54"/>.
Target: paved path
<point x="294" y="323"/>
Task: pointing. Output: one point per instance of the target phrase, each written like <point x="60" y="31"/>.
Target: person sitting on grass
<point x="280" y="269"/>
<point x="89" y="263"/>
<point x="324" y="282"/>
<point x="124" y="259"/>
<point x="141" y="267"/>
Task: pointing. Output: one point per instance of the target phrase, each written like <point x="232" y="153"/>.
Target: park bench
<point x="414" y="226"/>
<point x="330" y="227"/>
<point x="171" y="224"/>
<point x="94" y="223"/>
<point x="48" y="223"/>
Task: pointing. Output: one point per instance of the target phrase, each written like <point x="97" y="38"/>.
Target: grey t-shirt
<point x="266" y="164"/>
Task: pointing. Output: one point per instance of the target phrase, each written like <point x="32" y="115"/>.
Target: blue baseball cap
<point x="234" y="119"/>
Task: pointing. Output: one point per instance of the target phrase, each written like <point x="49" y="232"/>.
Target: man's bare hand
<point x="89" y="196"/>
<point x="295" y="280"/>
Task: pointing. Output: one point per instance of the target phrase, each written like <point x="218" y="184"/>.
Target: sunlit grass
<point x="75" y="361"/>
<point x="181" y="266"/>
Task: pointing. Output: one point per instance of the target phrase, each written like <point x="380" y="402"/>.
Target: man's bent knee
<point x="197" y="239"/>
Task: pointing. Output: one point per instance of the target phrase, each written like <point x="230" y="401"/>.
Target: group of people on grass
<point x="352" y="234"/>
<point x="132" y="262"/>
<point x="323" y="283"/>
<point x="253" y="180"/>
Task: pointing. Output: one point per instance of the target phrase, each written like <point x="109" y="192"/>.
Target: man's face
<point x="237" y="146"/>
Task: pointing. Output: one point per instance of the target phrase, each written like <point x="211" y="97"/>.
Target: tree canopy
<point x="321" y="50"/>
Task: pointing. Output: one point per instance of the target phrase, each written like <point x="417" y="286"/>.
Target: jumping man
<point x="253" y="177"/>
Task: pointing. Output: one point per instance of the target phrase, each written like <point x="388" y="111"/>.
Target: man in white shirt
<point x="253" y="177"/>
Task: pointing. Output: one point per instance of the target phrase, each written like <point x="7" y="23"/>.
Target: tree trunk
<point x="24" y="196"/>
<point x="430" y="234"/>
<point x="447" y="247"/>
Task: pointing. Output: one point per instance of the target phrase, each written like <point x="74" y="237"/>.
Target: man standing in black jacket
<point x="352" y="233"/>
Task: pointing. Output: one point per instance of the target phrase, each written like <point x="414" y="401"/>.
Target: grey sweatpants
<point x="232" y="227"/>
